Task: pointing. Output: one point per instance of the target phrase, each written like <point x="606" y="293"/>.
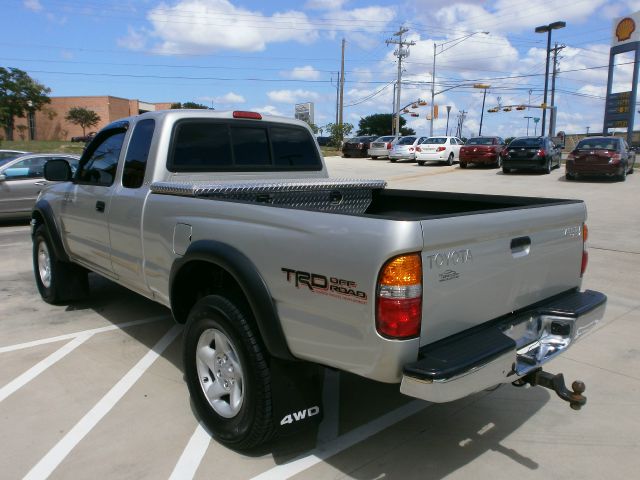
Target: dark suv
<point x="538" y="153"/>
<point x="357" y="146"/>
<point x="601" y="156"/>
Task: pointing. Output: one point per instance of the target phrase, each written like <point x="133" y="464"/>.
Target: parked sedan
<point x="438" y="149"/>
<point x="601" y="156"/>
<point x="357" y="146"/>
<point x="482" y="151"/>
<point x="84" y="138"/>
<point x="22" y="178"/>
<point x="405" y="148"/>
<point x="381" y="147"/>
<point x="538" y="153"/>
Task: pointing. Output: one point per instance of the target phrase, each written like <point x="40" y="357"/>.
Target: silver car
<point x="405" y="148"/>
<point x="380" y="148"/>
<point x="22" y="178"/>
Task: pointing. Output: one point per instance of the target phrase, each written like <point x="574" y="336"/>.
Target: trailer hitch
<point x="556" y="383"/>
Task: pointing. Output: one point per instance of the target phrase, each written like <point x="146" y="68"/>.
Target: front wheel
<point x="57" y="281"/>
<point x="227" y="373"/>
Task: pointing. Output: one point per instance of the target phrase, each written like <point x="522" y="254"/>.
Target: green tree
<point x="198" y="106"/>
<point x="313" y="126"/>
<point x="19" y="94"/>
<point x="380" y="124"/>
<point x="83" y="117"/>
<point x="337" y="132"/>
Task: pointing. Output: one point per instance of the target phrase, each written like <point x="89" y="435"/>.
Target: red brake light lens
<point x="585" y="254"/>
<point x="541" y="153"/>
<point x="389" y="146"/>
<point x="244" y="114"/>
<point x="441" y="149"/>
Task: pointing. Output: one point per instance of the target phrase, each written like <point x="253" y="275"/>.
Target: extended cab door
<point x="85" y="207"/>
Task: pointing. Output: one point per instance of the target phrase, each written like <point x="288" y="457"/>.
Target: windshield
<point x="436" y="140"/>
<point x="480" y="141"/>
<point x="526" y="142"/>
<point x="385" y="139"/>
<point x="406" y="141"/>
<point x="6" y="156"/>
<point x="598" y="144"/>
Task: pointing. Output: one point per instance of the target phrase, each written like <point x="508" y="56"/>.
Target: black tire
<point x="344" y="155"/>
<point x="569" y="176"/>
<point x="548" y="167"/>
<point x="623" y="176"/>
<point x="57" y="281"/>
<point x="421" y="162"/>
<point x="498" y="163"/>
<point x="506" y="170"/>
<point x="250" y="423"/>
<point x="463" y="165"/>
<point x="393" y="160"/>
<point x="450" y="159"/>
<point x="374" y="158"/>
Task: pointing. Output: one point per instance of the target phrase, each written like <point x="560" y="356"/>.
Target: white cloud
<point x="292" y="96"/>
<point x="134" y="40"/>
<point x="325" y="4"/>
<point x="33" y="5"/>
<point x="226" y="99"/>
<point x="204" y="26"/>
<point x="303" y="73"/>
<point x="270" y="110"/>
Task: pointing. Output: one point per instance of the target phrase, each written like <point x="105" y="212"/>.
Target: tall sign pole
<point x="401" y="52"/>
<point x="341" y="87"/>
<point x="619" y="110"/>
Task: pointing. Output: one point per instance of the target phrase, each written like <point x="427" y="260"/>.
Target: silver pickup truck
<point x="230" y="220"/>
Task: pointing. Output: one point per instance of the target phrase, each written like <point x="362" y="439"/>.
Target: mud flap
<point x="297" y="395"/>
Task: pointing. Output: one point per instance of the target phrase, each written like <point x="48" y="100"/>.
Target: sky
<point x="267" y="56"/>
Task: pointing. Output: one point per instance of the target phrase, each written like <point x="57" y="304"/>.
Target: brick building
<point x="49" y="123"/>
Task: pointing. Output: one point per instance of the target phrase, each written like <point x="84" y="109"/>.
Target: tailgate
<point x="481" y="266"/>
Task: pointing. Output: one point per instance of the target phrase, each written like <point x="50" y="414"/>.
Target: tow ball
<point x="556" y="383"/>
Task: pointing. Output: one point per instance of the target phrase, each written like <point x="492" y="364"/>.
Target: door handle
<point x="100" y="205"/>
<point x="520" y="246"/>
<point x="41" y="183"/>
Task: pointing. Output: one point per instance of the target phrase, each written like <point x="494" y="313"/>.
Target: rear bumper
<point x="432" y="156"/>
<point x="502" y="351"/>
<point x="594" y="169"/>
<point x="402" y="156"/>
<point x="539" y="162"/>
<point x="378" y="152"/>
<point x="488" y="158"/>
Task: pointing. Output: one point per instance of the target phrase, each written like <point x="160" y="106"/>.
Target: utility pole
<point x="552" y="120"/>
<point x="401" y="53"/>
<point x="393" y="107"/>
<point x="461" y="117"/>
<point x="588" y="130"/>
<point x="337" y="94"/>
<point x="341" y="88"/>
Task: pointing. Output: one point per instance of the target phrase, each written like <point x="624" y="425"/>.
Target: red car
<point x="482" y="150"/>
<point x="601" y="156"/>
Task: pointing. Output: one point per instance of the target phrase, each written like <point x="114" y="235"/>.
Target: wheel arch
<point x="42" y="214"/>
<point x="216" y="267"/>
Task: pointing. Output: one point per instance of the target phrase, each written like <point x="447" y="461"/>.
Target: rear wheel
<point x="392" y="160"/>
<point x="506" y="170"/>
<point x="373" y="158"/>
<point x="227" y="373"/>
<point x="623" y="176"/>
<point x="57" y="281"/>
<point x="498" y="163"/>
<point x="421" y="162"/>
<point x="450" y="159"/>
<point x="569" y="176"/>
<point x="463" y="165"/>
<point x="547" y="168"/>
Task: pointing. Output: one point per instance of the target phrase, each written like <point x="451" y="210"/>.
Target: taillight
<point x="418" y="149"/>
<point x="571" y="156"/>
<point x="585" y="254"/>
<point x="399" y="297"/>
<point x="243" y="114"/>
<point x="389" y="146"/>
<point x="541" y="153"/>
<point x="441" y="149"/>
<point x="615" y="158"/>
<point x="411" y="149"/>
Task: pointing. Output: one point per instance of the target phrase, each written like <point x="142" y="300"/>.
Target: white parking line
<point x="70" y="336"/>
<point x="59" y="452"/>
<point x="192" y="455"/>
<point x="41" y="366"/>
<point x="302" y="463"/>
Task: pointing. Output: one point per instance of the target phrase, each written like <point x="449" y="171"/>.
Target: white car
<point x="439" y="149"/>
<point x="381" y="147"/>
<point x="405" y="148"/>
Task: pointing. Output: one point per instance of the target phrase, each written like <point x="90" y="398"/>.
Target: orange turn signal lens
<point x="585" y="232"/>
<point x="403" y="270"/>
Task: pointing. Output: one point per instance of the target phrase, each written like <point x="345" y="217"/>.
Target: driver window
<point x="100" y="167"/>
<point x="27" y="168"/>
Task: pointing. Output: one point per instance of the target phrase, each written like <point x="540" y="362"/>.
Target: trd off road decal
<point x="323" y="285"/>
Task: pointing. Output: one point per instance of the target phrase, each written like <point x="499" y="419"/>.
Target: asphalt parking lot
<point x="96" y="388"/>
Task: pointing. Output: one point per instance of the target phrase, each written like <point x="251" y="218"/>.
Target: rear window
<point x="435" y="141"/>
<point x="526" y="142"/>
<point x="406" y="141"/>
<point x="598" y="144"/>
<point x="480" y="141"/>
<point x="213" y="145"/>
<point x="385" y="139"/>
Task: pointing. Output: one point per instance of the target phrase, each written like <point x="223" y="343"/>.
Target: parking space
<point x="96" y="388"/>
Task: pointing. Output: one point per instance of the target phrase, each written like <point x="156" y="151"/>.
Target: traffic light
<point x="521" y="107"/>
<point x="435" y="111"/>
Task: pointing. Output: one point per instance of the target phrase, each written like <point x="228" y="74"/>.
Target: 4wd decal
<point x="323" y="285"/>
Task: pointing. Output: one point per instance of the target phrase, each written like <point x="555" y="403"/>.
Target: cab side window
<point x="100" y="166"/>
<point x="27" y="168"/>
<point x="135" y="163"/>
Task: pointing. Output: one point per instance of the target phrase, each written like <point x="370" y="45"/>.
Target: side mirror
<point x="57" y="171"/>
<point x="3" y="177"/>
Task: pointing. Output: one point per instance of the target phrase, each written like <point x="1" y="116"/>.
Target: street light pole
<point x="433" y="71"/>
<point x="547" y="29"/>
<point x="483" y="86"/>
<point x="528" y="117"/>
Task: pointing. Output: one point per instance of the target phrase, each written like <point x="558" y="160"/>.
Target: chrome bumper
<point x="504" y="350"/>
